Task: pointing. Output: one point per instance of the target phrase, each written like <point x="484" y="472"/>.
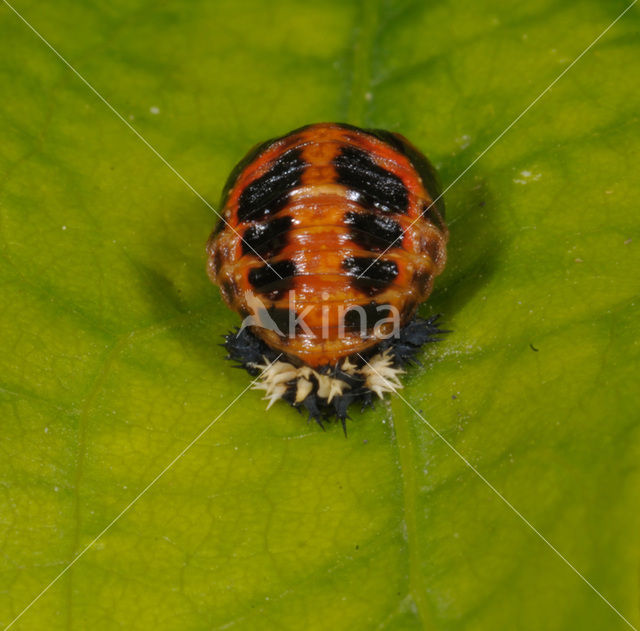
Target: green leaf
<point x="110" y="328"/>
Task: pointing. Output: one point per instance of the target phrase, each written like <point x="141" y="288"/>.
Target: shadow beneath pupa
<point x="171" y="276"/>
<point x="474" y="249"/>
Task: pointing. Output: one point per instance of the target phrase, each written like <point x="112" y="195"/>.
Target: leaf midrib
<point x="407" y="469"/>
<point x="368" y="17"/>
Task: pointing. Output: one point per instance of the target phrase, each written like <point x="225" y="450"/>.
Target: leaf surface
<point x="110" y="329"/>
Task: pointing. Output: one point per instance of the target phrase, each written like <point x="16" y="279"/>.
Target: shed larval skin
<point x="325" y="218"/>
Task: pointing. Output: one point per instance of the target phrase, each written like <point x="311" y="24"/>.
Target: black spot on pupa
<point x="269" y="193"/>
<point x="372" y="185"/>
<point x="286" y="320"/>
<point x="424" y="168"/>
<point x="229" y="289"/>
<point x="365" y="317"/>
<point x="408" y="309"/>
<point x="431" y="212"/>
<point x="370" y="275"/>
<point x="219" y="226"/>
<point x="391" y="138"/>
<point x="217" y="261"/>
<point x="372" y="231"/>
<point x="274" y="279"/>
<point x="282" y="318"/>
<point x="422" y="280"/>
<point x="266" y="239"/>
<point x="250" y="156"/>
<point x="434" y="248"/>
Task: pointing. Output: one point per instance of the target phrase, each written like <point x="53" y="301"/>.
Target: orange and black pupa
<point x="329" y="240"/>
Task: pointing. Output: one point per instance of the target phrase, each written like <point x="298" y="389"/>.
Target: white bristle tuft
<point x="380" y="376"/>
